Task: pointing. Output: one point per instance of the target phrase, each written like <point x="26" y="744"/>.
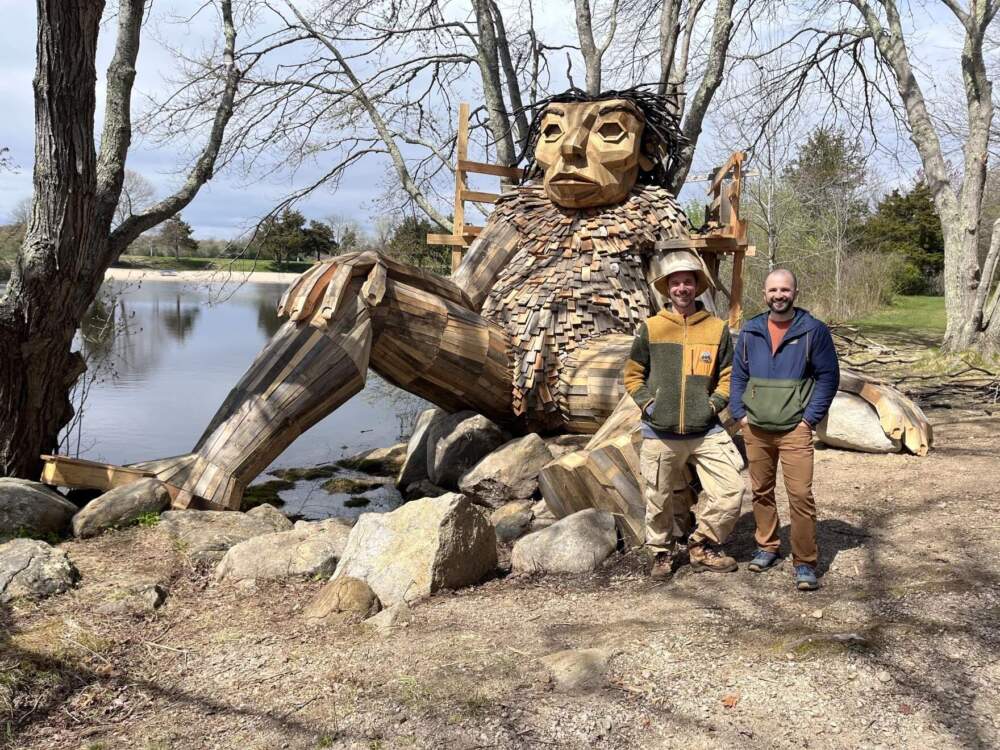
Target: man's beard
<point x="779" y="306"/>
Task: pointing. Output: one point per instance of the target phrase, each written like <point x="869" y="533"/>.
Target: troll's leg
<point x="303" y="374"/>
<point x="443" y="352"/>
<point x="430" y="346"/>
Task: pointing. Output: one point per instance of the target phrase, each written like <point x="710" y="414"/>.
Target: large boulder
<point x="852" y="423"/>
<point x="578" y="543"/>
<point x="32" y="509"/>
<point x="206" y="535"/>
<point x="414" y="468"/>
<point x="347" y="596"/>
<point x="121" y="506"/>
<point x="426" y="545"/>
<point x="457" y="443"/>
<point x="33" y="569"/>
<point x="308" y="550"/>
<point x="509" y="473"/>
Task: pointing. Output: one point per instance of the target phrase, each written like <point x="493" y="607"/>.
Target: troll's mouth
<point x="572" y="179"/>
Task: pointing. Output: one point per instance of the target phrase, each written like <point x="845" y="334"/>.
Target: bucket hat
<point x="682" y="260"/>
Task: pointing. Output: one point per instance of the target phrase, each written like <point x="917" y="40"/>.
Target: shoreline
<point x="220" y="276"/>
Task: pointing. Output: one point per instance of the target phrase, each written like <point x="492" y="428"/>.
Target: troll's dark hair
<point x="662" y="139"/>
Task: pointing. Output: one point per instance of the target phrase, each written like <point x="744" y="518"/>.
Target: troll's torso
<point x="576" y="274"/>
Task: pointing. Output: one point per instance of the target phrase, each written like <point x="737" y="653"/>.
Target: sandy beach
<point x="222" y="276"/>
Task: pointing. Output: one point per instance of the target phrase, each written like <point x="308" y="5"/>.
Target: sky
<point x="231" y="203"/>
<point x="228" y="204"/>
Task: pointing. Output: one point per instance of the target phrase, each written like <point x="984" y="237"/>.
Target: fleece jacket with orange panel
<point x="681" y="366"/>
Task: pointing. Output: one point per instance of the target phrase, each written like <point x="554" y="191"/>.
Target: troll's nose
<point x="575" y="142"/>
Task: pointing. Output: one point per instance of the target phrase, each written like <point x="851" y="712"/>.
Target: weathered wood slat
<point x="63" y="471"/>
<point x="496" y="170"/>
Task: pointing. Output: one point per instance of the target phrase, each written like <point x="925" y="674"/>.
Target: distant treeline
<point x="287" y="240"/>
<point x="853" y="245"/>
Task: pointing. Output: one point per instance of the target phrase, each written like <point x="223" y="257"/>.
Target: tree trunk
<point x="69" y="243"/>
<point x="960" y="284"/>
<point x="52" y="281"/>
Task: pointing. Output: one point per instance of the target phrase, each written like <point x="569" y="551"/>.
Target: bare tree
<point x="349" y="81"/>
<point x="71" y="240"/>
<point x="137" y="195"/>
<point x="857" y="56"/>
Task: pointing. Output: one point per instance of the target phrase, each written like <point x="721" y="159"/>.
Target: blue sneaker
<point x="805" y="578"/>
<point x="762" y="561"/>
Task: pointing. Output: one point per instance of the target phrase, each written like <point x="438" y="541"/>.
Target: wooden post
<point x="461" y="183"/>
<point x="736" y="292"/>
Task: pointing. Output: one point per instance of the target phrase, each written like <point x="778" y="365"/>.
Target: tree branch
<point x="203" y="169"/>
<point x="591" y="56"/>
<point x="722" y="26"/>
<point x="117" y="135"/>
<point x="379" y="124"/>
<point x="510" y="73"/>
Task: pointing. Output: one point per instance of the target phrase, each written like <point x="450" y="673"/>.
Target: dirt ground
<point x="900" y="648"/>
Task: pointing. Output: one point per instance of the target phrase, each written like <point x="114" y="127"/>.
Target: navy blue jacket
<point x="798" y="382"/>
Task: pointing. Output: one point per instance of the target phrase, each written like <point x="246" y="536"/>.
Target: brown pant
<point x="718" y="464"/>
<point x="794" y="449"/>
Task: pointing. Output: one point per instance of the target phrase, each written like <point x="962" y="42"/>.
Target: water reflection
<point x="179" y="320"/>
<point x="164" y="354"/>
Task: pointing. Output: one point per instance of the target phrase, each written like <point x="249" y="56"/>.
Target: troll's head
<point x="592" y="150"/>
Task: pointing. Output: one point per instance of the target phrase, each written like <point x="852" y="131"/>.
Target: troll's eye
<point x="611" y="132"/>
<point x="552" y="131"/>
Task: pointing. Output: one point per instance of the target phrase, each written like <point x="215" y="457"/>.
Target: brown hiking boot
<point x="663" y="566"/>
<point x="706" y="557"/>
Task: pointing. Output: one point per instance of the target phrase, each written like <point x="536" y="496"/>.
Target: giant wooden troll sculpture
<point x="531" y="331"/>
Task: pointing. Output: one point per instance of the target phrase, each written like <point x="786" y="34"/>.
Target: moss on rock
<point x="266" y="492"/>
<point x="309" y="472"/>
<point x="349" y="486"/>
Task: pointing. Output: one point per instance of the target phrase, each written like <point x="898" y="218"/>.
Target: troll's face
<point x="590" y="151"/>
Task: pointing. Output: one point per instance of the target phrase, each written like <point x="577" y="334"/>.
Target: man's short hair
<point x="780" y="269"/>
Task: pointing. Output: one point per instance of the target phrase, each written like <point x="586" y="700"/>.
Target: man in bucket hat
<point x="678" y="373"/>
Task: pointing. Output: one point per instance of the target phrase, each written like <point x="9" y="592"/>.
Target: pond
<point x="162" y="356"/>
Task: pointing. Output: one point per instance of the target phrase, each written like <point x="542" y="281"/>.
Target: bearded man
<point x="530" y="331"/>
<point x="785" y="375"/>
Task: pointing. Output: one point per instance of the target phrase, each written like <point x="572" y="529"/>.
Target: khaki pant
<point x="794" y="449"/>
<point x="718" y="464"/>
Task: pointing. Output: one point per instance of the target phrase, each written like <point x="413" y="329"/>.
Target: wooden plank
<point x="62" y="471"/>
<point x="461" y="185"/>
<point x="734" y="161"/>
<point x="479" y="197"/>
<point x="492" y="169"/>
<point x="446" y="239"/>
